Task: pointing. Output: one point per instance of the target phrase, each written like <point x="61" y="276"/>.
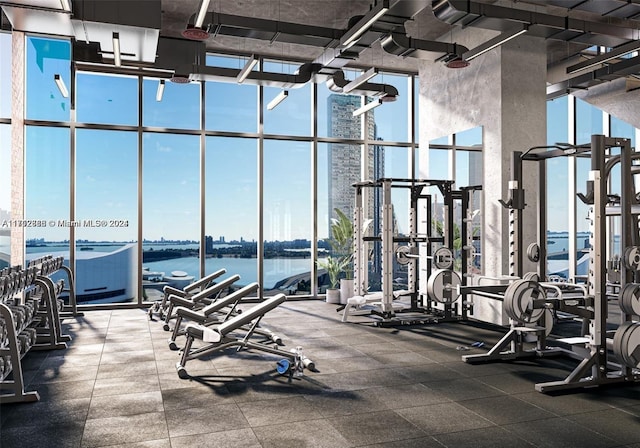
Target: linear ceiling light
<point x="204" y="6"/>
<point x="253" y="60"/>
<point x="494" y="43"/>
<point x="160" y="90"/>
<point x="367" y="107"/>
<point x="117" y="57"/>
<point x="61" y="85"/>
<point x="617" y="52"/>
<point x="278" y="99"/>
<point x="364" y="24"/>
<point x="66" y="5"/>
<point x="366" y="76"/>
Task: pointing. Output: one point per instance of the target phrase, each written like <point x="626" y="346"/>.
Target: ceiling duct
<point x="337" y="82"/>
<point x="609" y="73"/>
<point x="499" y="18"/>
<point x="405" y="46"/>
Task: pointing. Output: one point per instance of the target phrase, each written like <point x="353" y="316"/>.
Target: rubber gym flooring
<point x="116" y="385"/>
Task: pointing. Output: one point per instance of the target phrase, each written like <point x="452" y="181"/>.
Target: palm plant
<point x="334" y="267"/>
<point x="342" y="241"/>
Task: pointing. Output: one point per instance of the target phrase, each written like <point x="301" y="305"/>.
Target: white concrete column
<point x="17" y="145"/>
<point x="504" y="91"/>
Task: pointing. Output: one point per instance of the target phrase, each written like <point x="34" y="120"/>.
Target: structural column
<point x="17" y="145"/>
<point x="504" y="91"/>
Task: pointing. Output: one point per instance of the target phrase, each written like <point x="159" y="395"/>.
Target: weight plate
<point x="626" y="344"/>
<point x="443" y="258"/>
<point x="632" y="258"/>
<point x="518" y="301"/>
<point x="442" y="286"/>
<point x="401" y="255"/>
<point x="629" y="299"/>
<point x="533" y="252"/>
<point x="533" y="276"/>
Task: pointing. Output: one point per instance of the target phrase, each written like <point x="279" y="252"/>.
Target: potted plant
<point x="334" y="267"/>
<point x="342" y="245"/>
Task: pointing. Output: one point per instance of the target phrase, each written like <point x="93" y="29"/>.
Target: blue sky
<point x="106" y="161"/>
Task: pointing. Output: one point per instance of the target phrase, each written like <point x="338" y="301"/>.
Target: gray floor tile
<point x="119" y="370"/>
<point x="309" y="434"/>
<point x="65" y="373"/>
<point x="127" y="404"/>
<point x="443" y="418"/>
<point x="195" y="398"/>
<point x="463" y="389"/>
<point x="505" y="409"/>
<point x="426" y="373"/>
<point x="617" y="424"/>
<point x="559" y="432"/>
<point x="236" y="438"/>
<point x="224" y="417"/>
<point x="64" y="435"/>
<point x="57" y="412"/>
<point x="332" y="403"/>
<point x="282" y="410"/>
<point x="125" y="385"/>
<point x="127" y="357"/>
<point x="493" y="437"/>
<point x="567" y="404"/>
<point x="421" y="442"/>
<point x="162" y="443"/>
<point x="375" y="427"/>
<point x="63" y="390"/>
<point x="126" y="429"/>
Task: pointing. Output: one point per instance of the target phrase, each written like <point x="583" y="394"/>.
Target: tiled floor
<point x="116" y="385"/>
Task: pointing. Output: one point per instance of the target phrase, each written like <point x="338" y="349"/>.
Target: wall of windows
<point x="194" y="189"/>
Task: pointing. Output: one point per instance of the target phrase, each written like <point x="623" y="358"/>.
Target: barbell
<point x="442" y="258"/>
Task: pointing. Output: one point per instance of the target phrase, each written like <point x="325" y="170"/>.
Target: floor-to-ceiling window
<point x="200" y="176"/>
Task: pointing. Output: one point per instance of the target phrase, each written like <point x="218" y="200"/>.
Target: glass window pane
<point x="623" y="129"/>
<point x="557" y="216"/>
<point x="179" y="107"/>
<point x="557" y="121"/>
<point x="231" y="107"/>
<point x="292" y="116"/>
<point x="287" y="214"/>
<point x="470" y="137"/>
<point x="392" y="117"/>
<point x="588" y="121"/>
<point x="5" y="75"/>
<point x="107" y="216"/>
<point x="107" y="99"/>
<point x="45" y="59"/>
<point x="583" y="166"/>
<point x="335" y="112"/>
<point x="171" y="207"/>
<point x="231" y="225"/>
<point x="47" y="190"/>
<point x="5" y="194"/>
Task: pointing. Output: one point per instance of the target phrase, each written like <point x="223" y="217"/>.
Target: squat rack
<point x="421" y="307"/>
<point x="597" y="365"/>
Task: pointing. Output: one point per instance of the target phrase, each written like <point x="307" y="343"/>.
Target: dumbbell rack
<point x="29" y="320"/>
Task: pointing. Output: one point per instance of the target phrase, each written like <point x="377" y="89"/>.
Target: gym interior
<point x="328" y="223"/>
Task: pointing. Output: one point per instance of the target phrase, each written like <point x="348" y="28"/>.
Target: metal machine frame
<point x="597" y="366"/>
<point x="421" y="308"/>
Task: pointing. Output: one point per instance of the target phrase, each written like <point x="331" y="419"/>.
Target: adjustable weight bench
<point x="205" y="282"/>
<point x="197" y="301"/>
<point x="217" y="312"/>
<point x="222" y="336"/>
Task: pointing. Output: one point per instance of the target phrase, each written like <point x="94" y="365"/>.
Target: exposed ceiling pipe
<point x="499" y="18"/>
<point x="337" y="82"/>
<point x="614" y="71"/>
<point x="405" y="46"/>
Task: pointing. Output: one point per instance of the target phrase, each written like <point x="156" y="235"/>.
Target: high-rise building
<point x="345" y="161"/>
